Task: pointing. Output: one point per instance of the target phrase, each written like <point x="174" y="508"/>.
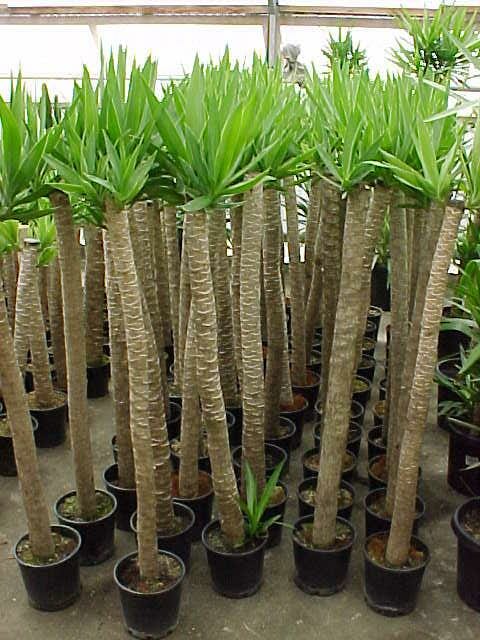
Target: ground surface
<point x="280" y="610"/>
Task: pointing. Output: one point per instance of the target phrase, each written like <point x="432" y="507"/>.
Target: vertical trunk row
<point x="119" y="372"/>
<point x="236" y="219"/>
<point x="94" y="295"/>
<point x="22" y="317"/>
<point x="311" y="232"/>
<point x="173" y="257"/>
<point x="10" y="276"/>
<point x="72" y="295"/>
<point x="155" y="221"/>
<point x="55" y="314"/>
<point x="43" y="292"/>
<point x="416" y="417"/>
<point x="342" y="363"/>
<point x="210" y="390"/>
<point x="297" y="295"/>
<point x="253" y="398"/>
<point x="184" y="314"/>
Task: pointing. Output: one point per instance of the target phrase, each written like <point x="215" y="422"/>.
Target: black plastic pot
<point x="374" y="482"/>
<point x="468" y="557"/>
<point x="178" y="543"/>
<point x="368" y="348"/>
<point x="234" y="575"/>
<point x="98" y="536"/>
<point x="8" y="466"/>
<point x="315" y="363"/>
<point x="390" y="591"/>
<point x="310" y="393"/>
<point x="52" y="423"/>
<point x="321" y="572"/>
<point x="353" y="442"/>
<point x="378" y="416"/>
<point x="97" y="380"/>
<point x="276" y="455"/>
<point x="375" y="523"/>
<point x="235" y="429"/>
<point x="375" y="315"/>
<point x="462" y="446"/>
<point x="297" y="416"/>
<point x="382" y="389"/>
<point x="362" y="397"/>
<point x="55" y="586"/>
<point x="448" y="367"/>
<point x="126" y="498"/>
<point x="374" y="442"/>
<point x="306" y="509"/>
<point x="274" y="536"/>
<point x="371" y="330"/>
<point x="200" y="505"/>
<point x="203" y="462"/>
<point x="284" y="442"/>
<point x="380" y="292"/>
<point x="175" y="397"/>
<point x="149" y="615"/>
<point x="174" y="420"/>
<point x="347" y="474"/>
<point x="366" y="368"/>
<point x="450" y="341"/>
<point x="170" y="356"/>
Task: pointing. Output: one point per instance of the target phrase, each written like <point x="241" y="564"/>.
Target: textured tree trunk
<point x="274" y="302"/>
<point x="161" y="268"/>
<point x="311" y="233"/>
<point x="74" y="328"/>
<point x="55" y="312"/>
<point x="191" y="419"/>
<point x="342" y="364"/>
<point x="10" y="275"/>
<point x="419" y="234"/>
<point x="223" y="305"/>
<point x="22" y="318"/>
<point x="119" y="372"/>
<point x="253" y="398"/>
<point x="236" y="218"/>
<point x="43" y="292"/>
<point x="173" y="257"/>
<point x="297" y="295"/>
<point x="331" y="230"/>
<point x="94" y="295"/>
<point x="139" y="388"/>
<point x="184" y="314"/>
<point x="416" y="417"/>
<point x="13" y="391"/>
<point x="213" y="407"/>
<point x="313" y="300"/>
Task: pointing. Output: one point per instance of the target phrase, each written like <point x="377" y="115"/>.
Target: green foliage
<point x="382" y="248"/>
<point x="468" y="242"/>
<point x="45" y="231"/>
<point x="466" y="386"/>
<point x="470" y="158"/>
<point x="341" y="50"/>
<point x="8" y="236"/>
<point x="254" y="506"/>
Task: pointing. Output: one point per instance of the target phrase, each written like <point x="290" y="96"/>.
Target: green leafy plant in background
<point x="45" y="231"/>
<point x="256" y="502"/>
<point x="341" y="50"/>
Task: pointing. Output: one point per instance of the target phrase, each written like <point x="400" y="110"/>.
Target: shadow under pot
<point x="306" y="498"/>
<point x="150" y="614"/>
<point x="311" y="464"/>
<point x="283" y="438"/>
<point x="376" y="518"/>
<point x="276" y="507"/>
<point x="315" y="362"/>
<point x="56" y="585"/>
<point x="376" y="444"/>
<point x="309" y="391"/>
<point x="235" y="572"/>
<point x="366" y="368"/>
<point x="296" y="413"/>
<point x="98" y="534"/>
<point x="8" y="466"/>
<point x="126" y="497"/>
<point x="362" y="389"/>
<point x="98" y="376"/>
<point x="174" y="420"/>
<point x="273" y="457"/>
<point x="52" y="422"/>
<point x="179" y="540"/>
<point x="466" y="526"/>
<point x="354" y="438"/>
<point x="201" y="504"/>
<point x="321" y="571"/>
<point x="203" y="457"/>
<point x="393" y="591"/>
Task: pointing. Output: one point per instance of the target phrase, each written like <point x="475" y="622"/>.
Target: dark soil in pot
<point x="377" y="520"/>
<point x="315" y="363"/>
<point x="382" y="389"/>
<point x="179" y="540"/>
<point x="174" y="419"/>
<point x="368" y="347"/>
<point x="282" y="437"/>
<point x="8" y="466"/>
<point x="466" y="526"/>
<point x="378" y="412"/>
<point x="273" y="457"/>
<point x="98" y="534"/>
<point x="54" y="585"/>
<point x="201" y="504"/>
<point x="309" y="392"/>
<point x="380" y="291"/>
<point x="276" y="507"/>
<point x="203" y="458"/>
<point x="378" y="474"/>
<point x="311" y="464"/>
<point x="98" y="376"/>
<point x="362" y="389"/>
<point x="150" y="608"/>
<point x="235" y="572"/>
<point x="366" y="368"/>
<point x="321" y="572"/>
<point x="306" y="498"/>
<point x="126" y="497"/>
<point x="52" y="422"/>
<point x="393" y="591"/>
<point x="463" y="450"/>
<point x="235" y="428"/>
<point x="354" y="438"/>
<point x="375" y="442"/>
<point x="296" y="413"/>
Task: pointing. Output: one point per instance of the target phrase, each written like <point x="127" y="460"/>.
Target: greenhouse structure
<point x="240" y="320"/>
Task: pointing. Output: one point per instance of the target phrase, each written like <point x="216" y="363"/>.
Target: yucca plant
<point x="341" y="50"/>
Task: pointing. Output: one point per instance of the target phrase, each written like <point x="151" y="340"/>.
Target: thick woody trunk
<point x="139" y="388"/>
<point x="342" y="364"/>
<point x="184" y="314"/>
<point x="155" y="217"/>
<point x="36" y="509"/>
<point x="119" y="372"/>
<point x="94" y="295"/>
<point x="311" y="232"/>
<point x="253" y="398"/>
<point x="10" y="275"/>
<point x="210" y="390"/>
<point x="173" y="257"/>
<point x="297" y="295"/>
<point x="74" y="328"/>
<point x="55" y="313"/>
<point x="21" y="322"/>
<point x="274" y="303"/>
<point x="416" y="417"/>
<point x="236" y="218"/>
<point x="43" y="292"/>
